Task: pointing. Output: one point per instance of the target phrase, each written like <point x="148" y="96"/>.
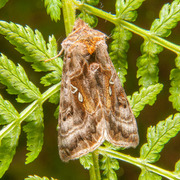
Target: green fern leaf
<point x="158" y="136"/>
<point x="56" y="113"/>
<point x="109" y="165"/>
<point x="8" y="147"/>
<point x="168" y="18"/>
<point x="125" y="9"/>
<point x="92" y="2"/>
<point x="147" y="64"/>
<point x="147" y="175"/>
<point x="177" y="169"/>
<point x="55" y="98"/>
<point x="51" y="78"/>
<point x="175" y="88"/>
<point x="118" y="50"/>
<point x="89" y="18"/>
<point x="146" y="96"/>
<point x="32" y="45"/>
<point x="35" y="177"/>
<point x="3" y="3"/>
<point x="53" y="9"/>
<point x="7" y="112"/>
<point x="34" y="129"/>
<point x="17" y="81"/>
<point x="177" y="61"/>
<point x="86" y="161"/>
<point x="108" y="145"/>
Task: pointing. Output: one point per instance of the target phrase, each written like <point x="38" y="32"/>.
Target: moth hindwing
<point x="93" y="104"/>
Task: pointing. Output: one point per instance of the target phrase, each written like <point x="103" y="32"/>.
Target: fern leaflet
<point x="158" y="136"/>
<point x="53" y="9"/>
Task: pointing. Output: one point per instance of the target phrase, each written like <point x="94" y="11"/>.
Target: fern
<point x="147" y="63"/>
<point x="7" y="112"/>
<point x="119" y="47"/>
<point x="158" y="136"/>
<point x="32" y="45"/>
<point x="53" y="9"/>
<point x="108" y="165"/>
<point x="34" y="129"/>
<point x="87" y="161"/>
<point x="177" y="169"/>
<point x="175" y="85"/>
<point x="35" y="177"/>
<point x="118" y="50"/>
<point x="35" y="50"/>
<point x="17" y="82"/>
<point x="8" y="147"/>
<point x="3" y="3"/>
<point x="125" y="9"/>
<point x="146" y="96"/>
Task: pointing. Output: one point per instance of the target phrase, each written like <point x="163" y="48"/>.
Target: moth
<point x="93" y="104"/>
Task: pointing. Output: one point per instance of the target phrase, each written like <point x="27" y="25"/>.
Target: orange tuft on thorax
<point x="91" y="44"/>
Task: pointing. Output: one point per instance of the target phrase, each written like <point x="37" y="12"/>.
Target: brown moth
<point x="93" y="104"/>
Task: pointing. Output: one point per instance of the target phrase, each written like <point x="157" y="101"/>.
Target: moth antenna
<point x="55" y="56"/>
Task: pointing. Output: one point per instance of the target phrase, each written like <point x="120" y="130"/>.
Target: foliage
<point x="35" y="177"/>
<point x="35" y="50"/>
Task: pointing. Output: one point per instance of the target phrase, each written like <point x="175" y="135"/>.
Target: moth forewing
<point x="93" y="104"/>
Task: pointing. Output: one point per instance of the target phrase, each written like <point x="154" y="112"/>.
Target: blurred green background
<point x="33" y="14"/>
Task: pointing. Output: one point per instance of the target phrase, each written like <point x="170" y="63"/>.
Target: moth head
<point x="79" y="23"/>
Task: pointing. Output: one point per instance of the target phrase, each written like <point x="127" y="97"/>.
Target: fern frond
<point x="51" y="78"/>
<point x="88" y="18"/>
<point x="91" y="19"/>
<point x="7" y="112"/>
<point x="35" y="177"/>
<point x="168" y="19"/>
<point x="86" y="161"/>
<point x="15" y="78"/>
<point x="92" y="2"/>
<point x="118" y="50"/>
<point x="147" y="64"/>
<point x="177" y="169"/>
<point x="3" y="3"/>
<point x="8" y="147"/>
<point x="53" y="9"/>
<point x="158" y="136"/>
<point x="175" y="88"/>
<point x="109" y="165"/>
<point x="32" y="45"/>
<point x="34" y="129"/>
<point x="145" y="174"/>
<point x="125" y="9"/>
<point x="145" y="96"/>
<point x="55" y="98"/>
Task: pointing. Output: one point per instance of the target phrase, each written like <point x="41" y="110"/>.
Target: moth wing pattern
<point x="93" y="104"/>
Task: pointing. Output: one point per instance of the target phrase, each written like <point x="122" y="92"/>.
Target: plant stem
<point x="138" y="162"/>
<point x="68" y="14"/>
<point x="94" y="170"/>
<point x="129" y="26"/>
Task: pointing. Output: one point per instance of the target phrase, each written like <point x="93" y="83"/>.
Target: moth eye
<point x="110" y="91"/>
<point x="80" y="97"/>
